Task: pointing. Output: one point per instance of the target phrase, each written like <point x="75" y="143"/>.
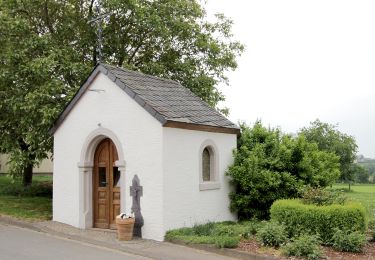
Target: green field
<point x="364" y="193"/>
<point x="32" y="203"/>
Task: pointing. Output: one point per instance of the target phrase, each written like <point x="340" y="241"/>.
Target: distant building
<point x="362" y="159"/>
<point x="46" y="165"/>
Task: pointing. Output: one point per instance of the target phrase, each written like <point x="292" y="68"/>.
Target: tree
<point x="269" y="165"/>
<point x="31" y="92"/>
<point x="329" y="139"/>
<point x="361" y="173"/>
<point x="48" y="48"/>
<point x="369" y="165"/>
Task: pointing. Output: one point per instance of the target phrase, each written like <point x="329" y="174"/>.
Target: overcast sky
<point x="304" y="60"/>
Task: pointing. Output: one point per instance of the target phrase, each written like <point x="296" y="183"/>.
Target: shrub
<point x="224" y="230"/>
<point x="300" y="218"/>
<point x="203" y="229"/>
<point x="226" y="242"/>
<point x="269" y="165"/>
<point x="371" y="226"/>
<point x="272" y="234"/>
<point x="348" y="241"/>
<point x="253" y="226"/>
<point x="171" y="234"/>
<point x="238" y="230"/>
<point x="320" y="197"/>
<point x="304" y="245"/>
<point x="224" y="234"/>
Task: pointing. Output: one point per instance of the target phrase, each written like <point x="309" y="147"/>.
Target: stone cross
<point x="136" y="191"/>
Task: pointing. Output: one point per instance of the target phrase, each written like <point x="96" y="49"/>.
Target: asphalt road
<point x="18" y="243"/>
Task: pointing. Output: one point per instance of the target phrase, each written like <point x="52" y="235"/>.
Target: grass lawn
<point x="31" y="208"/>
<point x="364" y="193"/>
<point x="32" y="203"/>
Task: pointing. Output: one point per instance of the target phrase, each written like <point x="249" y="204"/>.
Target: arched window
<point x="209" y="175"/>
<point x="206" y="164"/>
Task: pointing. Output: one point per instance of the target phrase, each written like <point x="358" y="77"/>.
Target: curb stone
<point x="18" y="223"/>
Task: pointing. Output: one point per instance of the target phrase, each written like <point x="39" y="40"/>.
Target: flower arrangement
<point x="125" y="216"/>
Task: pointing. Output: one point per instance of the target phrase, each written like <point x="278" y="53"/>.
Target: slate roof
<point x="167" y="100"/>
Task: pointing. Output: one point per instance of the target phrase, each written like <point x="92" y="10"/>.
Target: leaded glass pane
<point x="206" y="165"/>
<point x="116" y="177"/>
<point x="102" y="177"/>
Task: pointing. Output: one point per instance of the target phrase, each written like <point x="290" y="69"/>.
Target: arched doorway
<point x="106" y="185"/>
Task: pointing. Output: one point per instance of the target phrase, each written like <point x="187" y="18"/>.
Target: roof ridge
<point x="168" y="101"/>
<point x="192" y="94"/>
<point x="141" y="73"/>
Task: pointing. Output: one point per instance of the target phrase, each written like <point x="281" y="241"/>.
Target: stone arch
<point x="92" y="141"/>
<point x="86" y="165"/>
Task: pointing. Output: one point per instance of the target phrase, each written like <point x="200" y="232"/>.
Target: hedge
<point x="300" y="218"/>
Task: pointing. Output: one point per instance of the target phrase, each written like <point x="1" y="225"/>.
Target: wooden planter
<point x="125" y="228"/>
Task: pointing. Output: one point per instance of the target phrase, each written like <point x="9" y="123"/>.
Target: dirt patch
<point x="254" y="247"/>
<point x="367" y="254"/>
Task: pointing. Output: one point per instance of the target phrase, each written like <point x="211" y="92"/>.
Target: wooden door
<point x="106" y="183"/>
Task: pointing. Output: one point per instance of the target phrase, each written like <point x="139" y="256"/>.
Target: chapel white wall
<point x="141" y="138"/>
<point x="184" y="203"/>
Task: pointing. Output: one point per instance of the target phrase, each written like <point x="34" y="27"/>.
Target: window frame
<point x="214" y="182"/>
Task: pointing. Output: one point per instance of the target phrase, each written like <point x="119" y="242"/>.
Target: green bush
<point x="348" y="241"/>
<point x="203" y="229"/>
<point x="224" y="234"/>
<point x="320" y="197"/>
<point x="371" y="226"/>
<point x="239" y="230"/>
<point x="272" y="234"/>
<point x="304" y="245"/>
<point x="270" y="165"/>
<point x="223" y="230"/>
<point x="171" y="234"/>
<point x="226" y="241"/>
<point x="253" y="226"/>
<point x="300" y="218"/>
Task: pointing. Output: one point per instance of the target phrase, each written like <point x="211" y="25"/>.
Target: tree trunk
<point x="27" y="175"/>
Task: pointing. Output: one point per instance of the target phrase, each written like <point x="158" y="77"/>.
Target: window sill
<point x="212" y="185"/>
